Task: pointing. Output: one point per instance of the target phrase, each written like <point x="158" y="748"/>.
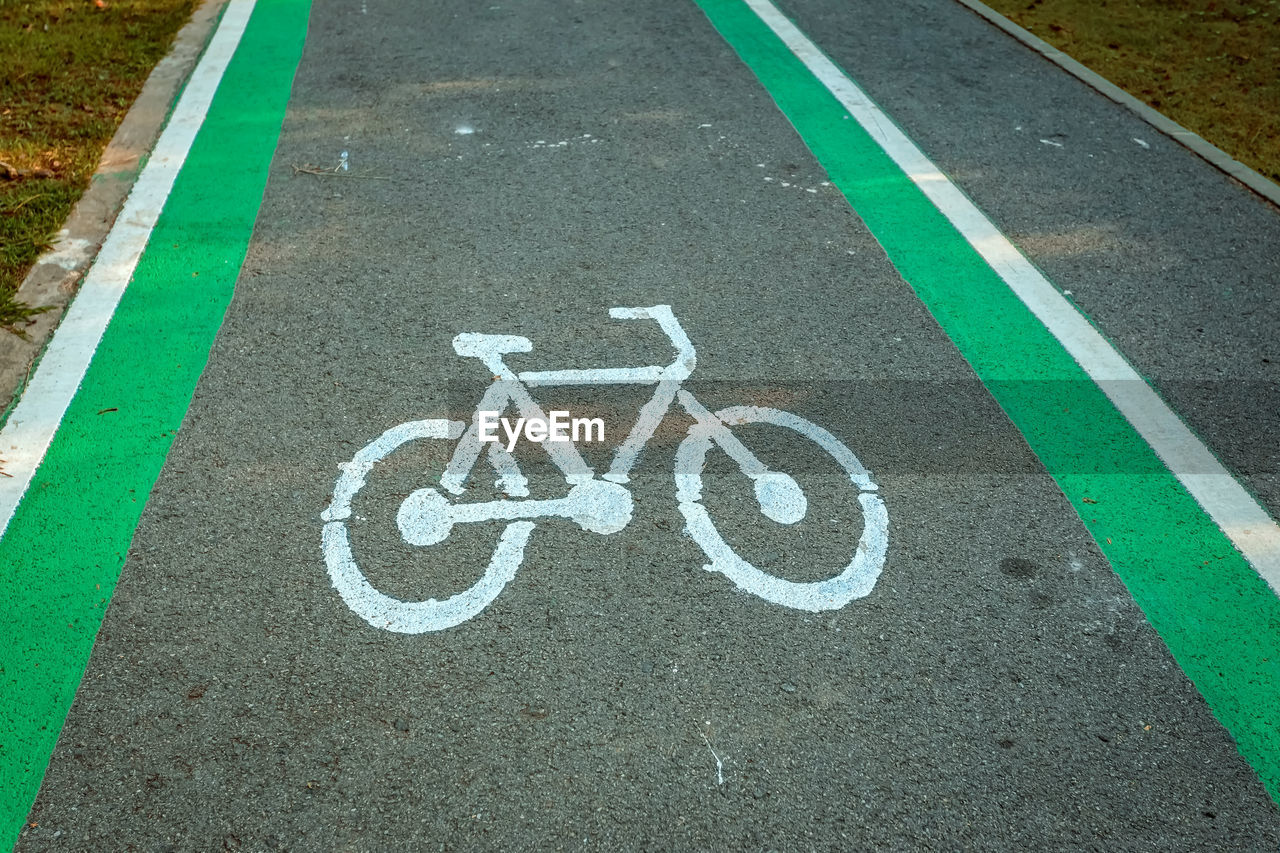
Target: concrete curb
<point x="1212" y="154"/>
<point x="54" y="278"/>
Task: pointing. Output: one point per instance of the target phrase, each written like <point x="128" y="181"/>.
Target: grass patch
<point x="69" y="71"/>
<point x="1213" y="66"/>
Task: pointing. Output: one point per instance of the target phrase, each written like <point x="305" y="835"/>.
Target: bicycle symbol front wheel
<point x="855" y="580"/>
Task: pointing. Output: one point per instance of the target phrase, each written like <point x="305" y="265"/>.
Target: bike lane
<point x="998" y="685"/>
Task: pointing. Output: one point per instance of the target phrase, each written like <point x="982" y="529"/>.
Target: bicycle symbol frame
<point x="600" y="505"/>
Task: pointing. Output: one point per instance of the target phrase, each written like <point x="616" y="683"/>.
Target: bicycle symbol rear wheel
<point x="377" y="608"/>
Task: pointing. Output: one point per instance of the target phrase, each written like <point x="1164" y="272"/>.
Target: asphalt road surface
<point x="521" y="169"/>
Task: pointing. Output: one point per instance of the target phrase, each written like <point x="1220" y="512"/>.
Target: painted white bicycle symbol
<point x="603" y="505"/>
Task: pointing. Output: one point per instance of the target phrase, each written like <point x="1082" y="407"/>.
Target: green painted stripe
<point x="63" y="551"/>
<point x="1216" y="615"/>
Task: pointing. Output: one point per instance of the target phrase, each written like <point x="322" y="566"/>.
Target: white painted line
<point x="26" y="437"/>
<point x="1231" y="507"/>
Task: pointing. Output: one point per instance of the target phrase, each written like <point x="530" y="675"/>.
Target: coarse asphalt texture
<point x="521" y="169"/>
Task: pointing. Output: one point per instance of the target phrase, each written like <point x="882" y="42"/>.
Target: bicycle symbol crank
<point x="426" y="517"/>
<point x="601" y="505"/>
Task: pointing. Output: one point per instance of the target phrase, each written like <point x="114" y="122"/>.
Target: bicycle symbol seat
<point x="599" y="505"/>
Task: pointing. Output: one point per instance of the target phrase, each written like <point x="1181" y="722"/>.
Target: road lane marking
<point x="65" y="543"/>
<point x="1235" y="511"/>
<point x="33" y="422"/>
<point x="1194" y="549"/>
<point x="604" y="506"/>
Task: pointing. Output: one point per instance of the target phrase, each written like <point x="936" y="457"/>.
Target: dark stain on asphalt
<point x="1016" y="567"/>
